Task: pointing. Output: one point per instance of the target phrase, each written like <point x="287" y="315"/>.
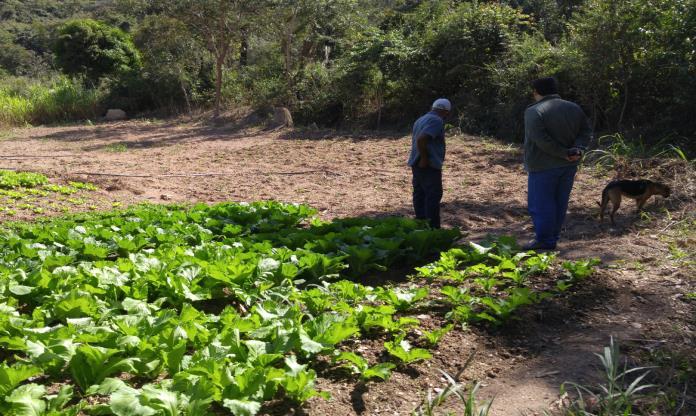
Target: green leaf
<point x="20" y="290"/>
<point x="381" y="371"/>
<point x="11" y="377"/>
<point x="298" y="382"/>
<point x="125" y="402"/>
<point x="173" y="357"/>
<point x="308" y="345"/>
<point x="330" y="329"/>
<point x="167" y="402"/>
<point x="401" y="349"/>
<point x="95" y="251"/>
<point x="75" y="304"/>
<point x="26" y="400"/>
<point x="356" y="363"/>
<point x="108" y="386"/>
<point x="242" y="407"/>
<point x="58" y="401"/>
<point x="91" y="365"/>
<point x="434" y="337"/>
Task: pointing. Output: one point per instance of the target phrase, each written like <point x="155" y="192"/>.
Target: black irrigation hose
<point x="187" y="175"/>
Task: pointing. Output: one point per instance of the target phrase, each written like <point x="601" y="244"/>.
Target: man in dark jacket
<point x="426" y="159"/>
<point x="556" y="134"/>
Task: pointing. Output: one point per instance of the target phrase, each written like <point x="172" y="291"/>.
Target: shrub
<point x="529" y="57"/>
<point x="93" y="49"/>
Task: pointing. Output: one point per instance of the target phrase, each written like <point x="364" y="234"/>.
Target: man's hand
<point x="423" y="162"/>
<point x="574" y="154"/>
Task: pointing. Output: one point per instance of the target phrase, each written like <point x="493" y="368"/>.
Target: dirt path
<point x="640" y="293"/>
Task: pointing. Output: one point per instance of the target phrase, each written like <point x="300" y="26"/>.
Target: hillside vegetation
<point x="629" y="63"/>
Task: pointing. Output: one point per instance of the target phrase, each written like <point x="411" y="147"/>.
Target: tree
<point x="307" y="30"/>
<point x="219" y="24"/>
<point x="93" y="49"/>
<point x="648" y="74"/>
<point x="17" y="60"/>
<point x="372" y="65"/>
<point x="172" y="59"/>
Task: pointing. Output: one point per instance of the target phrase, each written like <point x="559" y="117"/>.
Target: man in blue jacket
<point x="556" y="134"/>
<point x="426" y="159"/>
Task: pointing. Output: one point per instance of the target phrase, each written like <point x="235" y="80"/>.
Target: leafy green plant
<point x="83" y="185"/>
<point x="11" y="179"/>
<point x="492" y="280"/>
<point x="116" y="148"/>
<point x="580" y="269"/>
<point x="118" y="293"/>
<point x="404" y="352"/>
<point x="12" y="376"/>
<point x="60" y="189"/>
<point x="359" y="365"/>
<point x="91" y="365"/>
<point x="433" y="337"/>
<point x="403" y="299"/>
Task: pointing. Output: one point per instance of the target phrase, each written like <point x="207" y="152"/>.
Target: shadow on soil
<point x="150" y="135"/>
<point x="328" y="134"/>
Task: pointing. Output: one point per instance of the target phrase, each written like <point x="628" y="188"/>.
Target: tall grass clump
<point x="26" y="102"/>
<point x="622" y="392"/>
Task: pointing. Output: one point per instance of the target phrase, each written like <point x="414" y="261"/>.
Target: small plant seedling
<point x="116" y="148"/>
<point x="76" y="201"/>
<point x="433" y="337"/>
<point x="83" y="185"/>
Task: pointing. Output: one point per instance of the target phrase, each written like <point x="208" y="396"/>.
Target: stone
<point x="115" y="114"/>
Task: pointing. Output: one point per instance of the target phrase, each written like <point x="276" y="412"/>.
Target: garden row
<point x="32" y="192"/>
<point x="186" y="310"/>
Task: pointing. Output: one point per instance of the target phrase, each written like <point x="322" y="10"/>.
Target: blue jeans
<point x="427" y="194"/>
<point x="547" y="201"/>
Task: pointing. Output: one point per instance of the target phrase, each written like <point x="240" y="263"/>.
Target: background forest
<point x="631" y="64"/>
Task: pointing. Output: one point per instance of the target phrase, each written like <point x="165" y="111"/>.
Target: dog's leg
<point x="615" y="204"/>
<point x="640" y="202"/>
<point x="603" y="206"/>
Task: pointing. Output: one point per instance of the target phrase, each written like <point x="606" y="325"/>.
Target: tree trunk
<point x="218" y="84"/>
<point x="186" y="98"/>
<point x="623" y="107"/>
<point x="379" y="108"/>
<point x="287" y="57"/>
<point x="244" y="48"/>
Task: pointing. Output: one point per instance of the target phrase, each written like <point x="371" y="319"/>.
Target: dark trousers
<point x="427" y="194"/>
<point x="549" y="192"/>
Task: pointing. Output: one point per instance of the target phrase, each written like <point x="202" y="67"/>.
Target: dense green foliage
<point x="629" y="63"/>
<point x="169" y="310"/>
<point x="94" y="50"/>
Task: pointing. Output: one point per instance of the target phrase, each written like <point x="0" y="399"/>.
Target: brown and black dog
<point x="640" y="190"/>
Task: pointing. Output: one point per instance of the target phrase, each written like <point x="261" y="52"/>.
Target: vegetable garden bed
<point x="169" y="310"/>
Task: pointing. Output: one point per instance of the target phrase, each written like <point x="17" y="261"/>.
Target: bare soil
<point x="643" y="294"/>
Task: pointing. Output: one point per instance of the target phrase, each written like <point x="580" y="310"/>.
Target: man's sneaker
<point x="535" y="245"/>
